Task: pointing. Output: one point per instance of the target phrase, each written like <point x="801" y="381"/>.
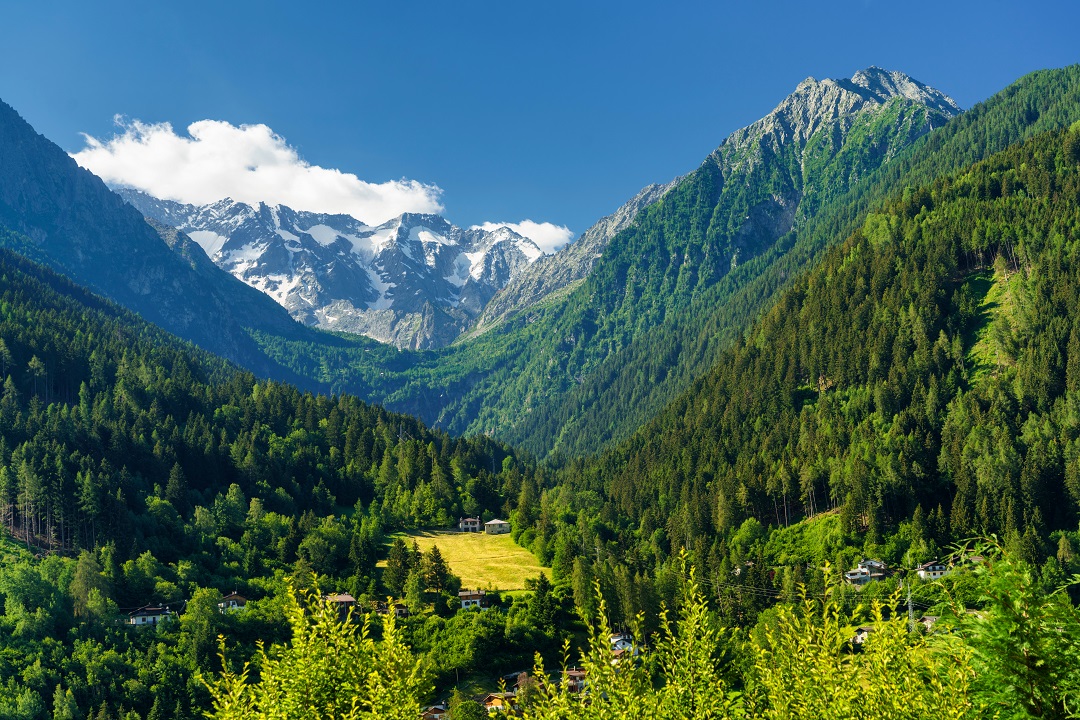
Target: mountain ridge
<point x="415" y="281"/>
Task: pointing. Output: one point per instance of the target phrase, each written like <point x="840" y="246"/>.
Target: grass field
<point x="481" y="560"/>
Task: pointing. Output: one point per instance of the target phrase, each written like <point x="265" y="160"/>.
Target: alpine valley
<point x="794" y="434"/>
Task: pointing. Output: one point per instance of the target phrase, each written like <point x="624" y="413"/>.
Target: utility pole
<point x="910" y="612"/>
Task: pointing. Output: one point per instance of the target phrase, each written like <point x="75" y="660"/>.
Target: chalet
<point x="932" y="570"/>
<point x="473" y="599"/>
<point x="574" y="679"/>
<point x="862" y="633"/>
<point x="866" y="571"/>
<point x="148" y="616"/>
<point x="496" y="527"/>
<point x="435" y="712"/>
<point x="401" y="610"/>
<point x="470" y="525"/>
<point x="621" y="642"/>
<point x="499" y="702"/>
<point x="342" y="601"/>
<point x="231" y="603"/>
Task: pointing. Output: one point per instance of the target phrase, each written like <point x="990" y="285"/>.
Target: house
<point x="862" y="633"/>
<point x="231" y="603"/>
<point x="469" y="525"/>
<point x="473" y="599"/>
<point x="866" y="571"/>
<point x="496" y="527"/>
<point x="574" y="679"/>
<point x="622" y="641"/>
<point x="147" y="616"/>
<point x="342" y="601"/>
<point x="932" y="570"/>
<point x="435" y="712"/>
<point x="928" y="621"/>
<point x="401" y="610"/>
<point x="499" y="702"/>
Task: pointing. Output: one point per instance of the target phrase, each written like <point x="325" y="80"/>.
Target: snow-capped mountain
<point x="416" y="281"/>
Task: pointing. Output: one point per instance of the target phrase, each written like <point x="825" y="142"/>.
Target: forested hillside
<point x="676" y="288"/>
<point x="142" y="471"/>
<point x="919" y="387"/>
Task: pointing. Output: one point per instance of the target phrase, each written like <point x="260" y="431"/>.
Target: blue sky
<point x="554" y="111"/>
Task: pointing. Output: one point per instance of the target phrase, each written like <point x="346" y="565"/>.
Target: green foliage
<point x="854" y="404"/>
<point x="1024" y="642"/>
<point x="331" y="668"/>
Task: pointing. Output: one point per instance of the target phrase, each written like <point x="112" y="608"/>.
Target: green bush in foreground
<point x="1018" y="657"/>
<point x="332" y="668"/>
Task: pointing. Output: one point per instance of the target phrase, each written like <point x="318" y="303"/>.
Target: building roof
<point x="340" y="598"/>
<point x="149" y="610"/>
<point x="234" y="596"/>
<point x="496" y="521"/>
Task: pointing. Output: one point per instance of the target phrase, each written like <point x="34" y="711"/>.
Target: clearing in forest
<point x="481" y="561"/>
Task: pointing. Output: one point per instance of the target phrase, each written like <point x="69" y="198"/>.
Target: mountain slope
<point x="522" y="378"/>
<point x="415" y="281"/>
<point x="552" y="273"/>
<point x="633" y="384"/>
<point x="932" y="361"/>
<point x="75" y="224"/>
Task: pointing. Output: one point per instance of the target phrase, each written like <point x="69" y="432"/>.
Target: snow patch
<point x="323" y="234"/>
<point x="383" y="302"/>
<point x="209" y="241"/>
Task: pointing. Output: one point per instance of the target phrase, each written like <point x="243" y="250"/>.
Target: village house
<point x="499" y="702"/>
<point x="496" y="527"/>
<point x="148" y="616"/>
<point x="862" y="633"/>
<point x="470" y="525"/>
<point x="622" y="642"/>
<point x="435" y="712"/>
<point x="473" y="599"/>
<point x="342" y="601"/>
<point x="932" y="570"/>
<point x="231" y="603"/>
<point x="574" y="679"/>
<point x="866" y="571"/>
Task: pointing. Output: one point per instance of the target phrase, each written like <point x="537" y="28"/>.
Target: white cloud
<point x="249" y="163"/>
<point x="547" y="236"/>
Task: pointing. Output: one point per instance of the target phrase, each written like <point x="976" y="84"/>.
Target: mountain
<point x="649" y="364"/>
<point x="67" y="218"/>
<point x="595" y="361"/>
<point x="415" y="282"/>
<point x="573" y="262"/>
<point x="922" y="382"/>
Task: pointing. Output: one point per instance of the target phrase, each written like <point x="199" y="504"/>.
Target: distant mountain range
<point x="415" y="282"/>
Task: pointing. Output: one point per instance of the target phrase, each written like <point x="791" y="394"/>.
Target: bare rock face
<point x="416" y="281"/>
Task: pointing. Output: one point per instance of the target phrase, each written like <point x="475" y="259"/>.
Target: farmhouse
<point x="496" y="527"/>
<point x="231" y="603"/>
<point x="574" y="680"/>
<point x="932" y="570"/>
<point x="499" y="702"/>
<point x="435" y="712"/>
<point x="866" y="571"/>
<point x="469" y="524"/>
<point x="148" y="616"/>
<point x="473" y="599"/>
